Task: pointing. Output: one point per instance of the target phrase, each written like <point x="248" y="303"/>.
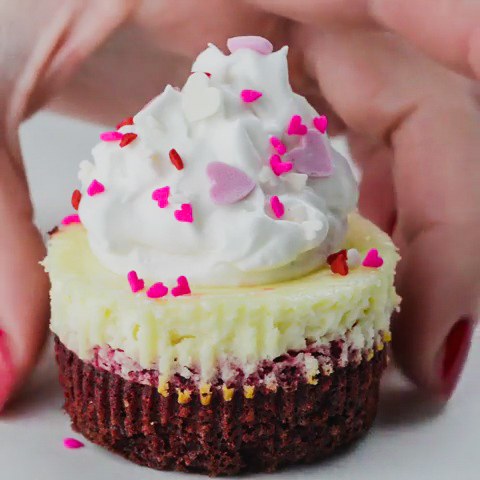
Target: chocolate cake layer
<point x="263" y="433"/>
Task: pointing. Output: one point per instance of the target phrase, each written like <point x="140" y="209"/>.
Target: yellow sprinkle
<point x="387" y="337"/>
<point x="370" y="355"/>
<point x="205" y="394"/>
<point x="249" y="391"/>
<point x="312" y="380"/>
<point x="380" y="346"/>
<point x="163" y="389"/>
<point x="184" y="396"/>
<point x="228" y="393"/>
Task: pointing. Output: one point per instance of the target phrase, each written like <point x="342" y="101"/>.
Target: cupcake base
<point x="263" y="433"/>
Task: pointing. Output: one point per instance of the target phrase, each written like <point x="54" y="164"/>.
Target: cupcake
<point x="217" y="303"/>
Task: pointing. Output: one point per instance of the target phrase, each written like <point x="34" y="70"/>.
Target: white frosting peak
<point x="235" y="238"/>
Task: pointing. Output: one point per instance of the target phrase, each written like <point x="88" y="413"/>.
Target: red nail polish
<point x="457" y="346"/>
<point x="7" y="377"/>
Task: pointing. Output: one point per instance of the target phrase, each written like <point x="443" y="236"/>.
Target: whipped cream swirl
<point x="268" y="219"/>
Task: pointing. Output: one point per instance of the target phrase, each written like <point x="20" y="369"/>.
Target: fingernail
<point x="456" y="348"/>
<point x="7" y="377"/>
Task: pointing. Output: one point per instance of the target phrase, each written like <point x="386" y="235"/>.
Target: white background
<point x="412" y="438"/>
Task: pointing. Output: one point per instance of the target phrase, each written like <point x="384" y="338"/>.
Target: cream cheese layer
<point x="94" y="307"/>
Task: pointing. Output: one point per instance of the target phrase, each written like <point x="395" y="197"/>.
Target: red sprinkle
<point x="127" y="139"/>
<point x="76" y="197"/>
<point x="125" y="121"/>
<point x="338" y="262"/>
<point x="176" y="159"/>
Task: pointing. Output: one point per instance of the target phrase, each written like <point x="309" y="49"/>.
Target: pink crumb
<point x="249" y="96"/>
<point x="70" y="219"/>
<point x="278" y="145"/>
<point x="95" y="188"/>
<point x="72" y="443"/>
<point x="277" y="206"/>
<point x="111" y="136"/>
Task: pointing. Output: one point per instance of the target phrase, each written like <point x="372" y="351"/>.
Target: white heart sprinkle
<point x="199" y="100"/>
<point x="354" y="259"/>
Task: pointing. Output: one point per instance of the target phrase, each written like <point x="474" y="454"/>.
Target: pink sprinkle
<point x="278" y="145"/>
<point x="277" y="206"/>
<point x="136" y="284"/>
<point x="157" y="290"/>
<point x="111" y="136"/>
<point x="161" y="195"/>
<point x="258" y="44"/>
<point x="321" y="123"/>
<point x="95" y="188"/>
<point x="182" y="288"/>
<point x="72" y="443"/>
<point x="185" y="213"/>
<point x="296" y="127"/>
<point x="68" y="220"/>
<point x="279" y="167"/>
<point x="249" y="96"/>
<point x="372" y="259"/>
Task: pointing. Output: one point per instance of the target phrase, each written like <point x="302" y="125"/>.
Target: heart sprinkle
<point x="72" y="443"/>
<point x="76" y="198"/>
<point x="338" y="262"/>
<point x="229" y="184"/>
<point x="312" y="157"/>
<point x="127" y="139"/>
<point x="354" y="258"/>
<point x="185" y="213"/>
<point x="258" y="44"/>
<point x="321" y="123"/>
<point x="136" y="284"/>
<point x="277" y="206"/>
<point x="249" y="96"/>
<point x="125" y="121"/>
<point x="161" y="195"/>
<point x="176" y="159"/>
<point x="68" y="220"/>
<point x="182" y="288"/>
<point x="279" y="167"/>
<point x="199" y="99"/>
<point x="157" y="290"/>
<point x="95" y="188"/>
<point x="296" y="127"/>
<point x="278" y="145"/>
<point x="111" y="136"/>
<point x="372" y="259"/>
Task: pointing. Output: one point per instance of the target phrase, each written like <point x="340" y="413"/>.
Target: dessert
<point x="217" y="303"/>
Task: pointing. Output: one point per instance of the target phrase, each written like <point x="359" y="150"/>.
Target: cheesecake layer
<point x="94" y="308"/>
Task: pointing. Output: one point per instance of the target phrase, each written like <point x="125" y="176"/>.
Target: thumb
<point x="23" y="283"/>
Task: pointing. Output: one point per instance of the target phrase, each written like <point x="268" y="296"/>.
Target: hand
<point x="404" y="116"/>
<point x="413" y="127"/>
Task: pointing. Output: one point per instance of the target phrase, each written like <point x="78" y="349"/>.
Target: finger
<point x="23" y="284"/>
<point x="377" y="194"/>
<point x="437" y="174"/>
<point x="447" y="30"/>
<point x="320" y="12"/>
<point x="432" y="125"/>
